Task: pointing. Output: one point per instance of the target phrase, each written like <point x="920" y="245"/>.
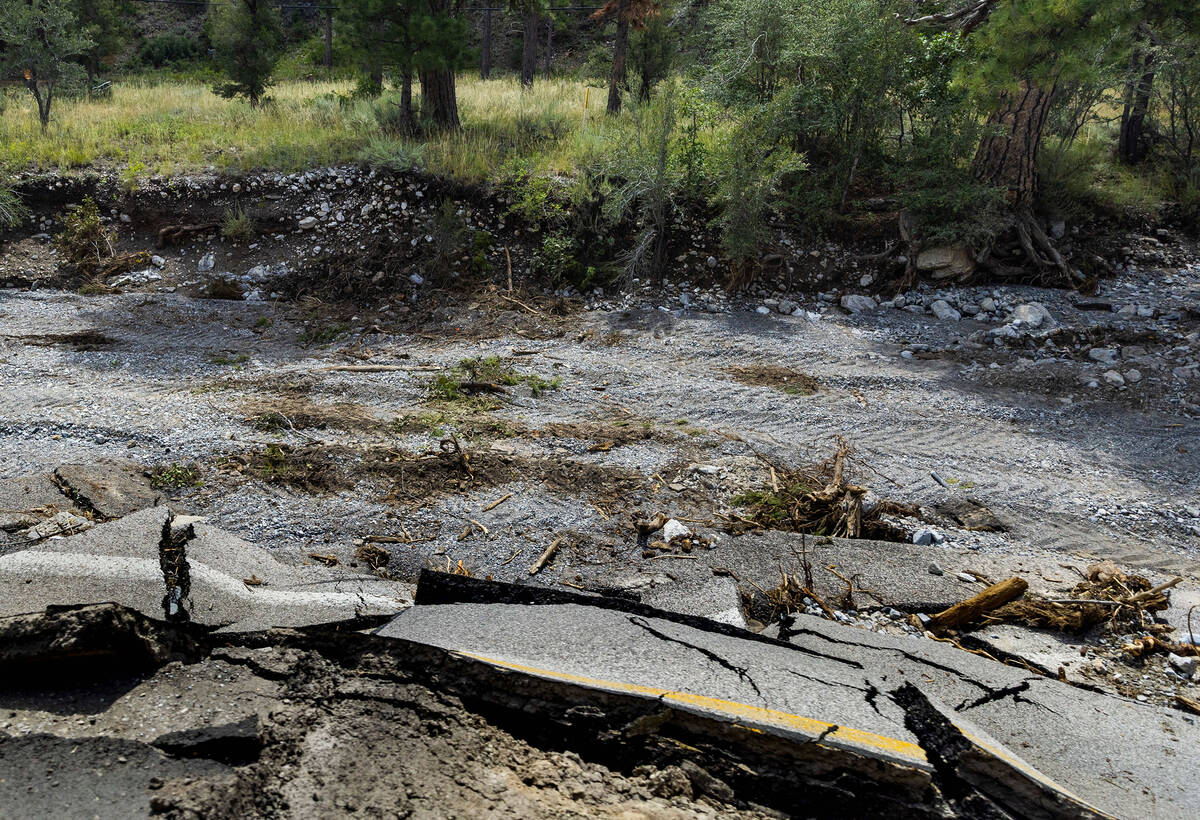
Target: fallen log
<point x="174" y="234"/>
<point x="970" y="610"/>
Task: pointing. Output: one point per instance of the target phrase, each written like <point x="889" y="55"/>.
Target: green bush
<point x="237" y="225"/>
<point x="167" y="49"/>
<point x="84" y="241"/>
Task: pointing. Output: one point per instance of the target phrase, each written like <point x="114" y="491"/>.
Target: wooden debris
<point x="327" y="560"/>
<point x="373" y="556"/>
<point x="496" y="504"/>
<point x="653" y="524"/>
<point x="970" y="610"/>
<point x="1186" y="704"/>
<point x="174" y="234"/>
<point x="546" y="555"/>
<point x="253" y="581"/>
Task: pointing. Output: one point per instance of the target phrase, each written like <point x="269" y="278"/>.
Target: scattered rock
<point x="941" y="309"/>
<point x="206" y="263"/>
<point x="856" y="303"/>
<point x="307" y="223"/>
<point x="1104" y="355"/>
<point x="673" y="529"/>
<point x="1032" y="314"/>
<point x="1183" y="665"/>
<point x="1114" y="378"/>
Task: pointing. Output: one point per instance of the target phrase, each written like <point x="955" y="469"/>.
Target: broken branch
<point x="965" y="612"/>
<point x="545" y="557"/>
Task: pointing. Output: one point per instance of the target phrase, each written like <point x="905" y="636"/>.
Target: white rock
<point x="1033" y="314"/>
<point x="673" y="529"/>
<point x="786" y="306"/>
<point x="1132" y="376"/>
<point x="762" y="309"/>
<point x="1104" y="355"/>
<point x="206" y="263"/>
<point x="417" y="279"/>
<point x="987" y="304"/>
<point x="1114" y="378"/>
<point x="307" y="223"/>
<point x="158" y="261"/>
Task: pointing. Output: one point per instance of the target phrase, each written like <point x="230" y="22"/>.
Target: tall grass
<point x="171" y="127"/>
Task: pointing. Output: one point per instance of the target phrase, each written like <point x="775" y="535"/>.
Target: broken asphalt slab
<point x="832" y="685"/>
<point x="26" y="501"/>
<point x="108" y="489"/>
<point x="191" y="572"/>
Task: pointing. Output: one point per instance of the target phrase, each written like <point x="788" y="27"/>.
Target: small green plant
<point x="175" y="477"/>
<point x="131" y="175"/>
<point x="449" y="386"/>
<point x="12" y="211"/>
<point x="531" y="195"/>
<point x="264" y="322"/>
<point x="237" y="225"/>
<point x="231" y="360"/>
<point x="322" y="335"/>
<point x="390" y="154"/>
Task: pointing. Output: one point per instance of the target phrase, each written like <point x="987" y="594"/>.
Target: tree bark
<point x="617" y="80"/>
<point x="406" y="96"/>
<point x="1131" y="143"/>
<point x="529" y="43"/>
<point x="439" y="101"/>
<point x="485" y="51"/>
<point x="1007" y="156"/>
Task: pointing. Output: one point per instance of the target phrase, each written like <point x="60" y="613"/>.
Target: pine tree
<point x="246" y="35"/>
<point x="1025" y="49"/>
<point x="415" y="38"/>
<point x="626" y="13"/>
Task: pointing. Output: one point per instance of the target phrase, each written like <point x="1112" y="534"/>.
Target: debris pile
<point x="819" y="501"/>
<point x="1124" y="603"/>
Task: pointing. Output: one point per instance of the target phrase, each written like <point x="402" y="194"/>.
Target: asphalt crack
<point x="908" y="655"/>
<point x="742" y="672"/>
<point x="1000" y="694"/>
<point x="172" y="560"/>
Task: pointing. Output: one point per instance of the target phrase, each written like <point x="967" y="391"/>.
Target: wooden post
<point x="328" y="38"/>
<point x="485" y="52"/>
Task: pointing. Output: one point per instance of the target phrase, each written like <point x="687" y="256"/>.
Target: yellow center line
<point x="908" y="752"/>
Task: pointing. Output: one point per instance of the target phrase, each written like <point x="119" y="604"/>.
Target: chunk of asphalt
<point x="968" y="759"/>
<point x="107" y="489"/>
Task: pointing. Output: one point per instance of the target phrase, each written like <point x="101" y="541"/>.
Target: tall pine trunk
<point x="617" y="80"/>
<point x="439" y="101"/>
<point x="529" y="43"/>
<point x="406" y="109"/>
<point x="1131" y="142"/>
<point x="1007" y="156"/>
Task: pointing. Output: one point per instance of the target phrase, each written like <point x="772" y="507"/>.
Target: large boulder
<point x="946" y="261"/>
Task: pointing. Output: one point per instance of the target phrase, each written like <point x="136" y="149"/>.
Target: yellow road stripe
<point x="908" y="752"/>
